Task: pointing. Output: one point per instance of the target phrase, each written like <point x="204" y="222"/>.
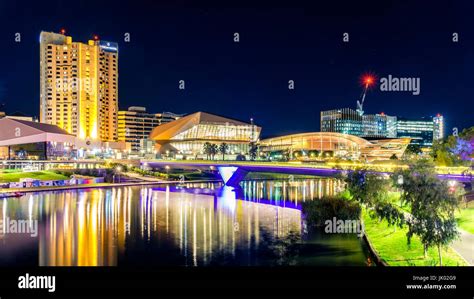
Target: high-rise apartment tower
<point x="79" y="86"/>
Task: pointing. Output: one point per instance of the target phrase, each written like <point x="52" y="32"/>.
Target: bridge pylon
<point x="232" y="175"/>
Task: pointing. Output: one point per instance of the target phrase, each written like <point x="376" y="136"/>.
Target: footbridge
<point x="233" y="172"/>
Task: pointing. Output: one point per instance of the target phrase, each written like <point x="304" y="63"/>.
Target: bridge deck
<point x="286" y="168"/>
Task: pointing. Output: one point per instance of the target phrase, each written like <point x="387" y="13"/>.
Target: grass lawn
<point x="465" y="218"/>
<point x="391" y="246"/>
<point x="15" y="176"/>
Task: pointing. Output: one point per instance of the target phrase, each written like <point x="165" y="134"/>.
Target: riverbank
<point x="390" y="244"/>
<point x="101" y="185"/>
<point x="10" y="176"/>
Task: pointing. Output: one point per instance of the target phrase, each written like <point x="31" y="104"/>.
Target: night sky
<point x="279" y="41"/>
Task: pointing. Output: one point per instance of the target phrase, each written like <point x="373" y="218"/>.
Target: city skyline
<point x="203" y="148"/>
<point x="252" y="76"/>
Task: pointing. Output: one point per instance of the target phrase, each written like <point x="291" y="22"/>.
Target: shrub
<point x="317" y="211"/>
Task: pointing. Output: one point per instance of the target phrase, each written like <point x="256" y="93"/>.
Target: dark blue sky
<point x="279" y="41"/>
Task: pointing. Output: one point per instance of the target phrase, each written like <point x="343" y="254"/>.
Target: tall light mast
<point x="367" y="81"/>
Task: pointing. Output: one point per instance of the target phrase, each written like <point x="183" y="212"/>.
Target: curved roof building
<point x="340" y="145"/>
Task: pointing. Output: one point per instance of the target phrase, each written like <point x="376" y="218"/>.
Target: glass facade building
<point x="344" y="121"/>
<point x="379" y="126"/>
<point x="422" y="131"/>
<point x="349" y="121"/>
<point x="187" y="135"/>
<point x="438" y="127"/>
<point x="320" y="145"/>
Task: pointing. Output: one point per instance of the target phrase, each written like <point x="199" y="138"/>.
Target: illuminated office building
<point x="344" y="121"/>
<point x="438" y="127"/>
<point x="136" y="124"/>
<point x="79" y="86"/>
<point x="349" y="121"/>
<point x="187" y="135"/>
<point x="379" y="126"/>
<point x="422" y="131"/>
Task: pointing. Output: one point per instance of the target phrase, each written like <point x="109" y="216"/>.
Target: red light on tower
<point x="62" y="31"/>
<point x="368" y="80"/>
<point x="96" y="37"/>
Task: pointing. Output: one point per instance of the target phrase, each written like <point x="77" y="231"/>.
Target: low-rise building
<point x="28" y="140"/>
<point x="322" y="145"/>
<point x="186" y="136"/>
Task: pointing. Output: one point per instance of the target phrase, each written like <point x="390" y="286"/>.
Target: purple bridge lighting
<point x="233" y="173"/>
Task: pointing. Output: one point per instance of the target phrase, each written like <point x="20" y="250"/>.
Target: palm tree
<point x="253" y="149"/>
<point x="223" y="149"/>
<point x="214" y="150"/>
<point x="207" y="149"/>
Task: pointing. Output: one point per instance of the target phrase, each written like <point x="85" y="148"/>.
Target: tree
<point x="454" y="150"/>
<point x="207" y="149"/>
<point x="366" y="188"/>
<point x="463" y="149"/>
<point x="223" y="148"/>
<point x="441" y="151"/>
<point x="313" y="154"/>
<point x="432" y="206"/>
<point x="413" y="149"/>
<point x="370" y="190"/>
<point x="253" y="149"/>
<point x="214" y="149"/>
<point x="467" y="134"/>
<point x="393" y="157"/>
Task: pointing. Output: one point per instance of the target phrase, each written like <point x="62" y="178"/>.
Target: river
<point x="192" y="224"/>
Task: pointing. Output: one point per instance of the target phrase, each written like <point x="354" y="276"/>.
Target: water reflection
<point x="193" y="224"/>
<point x="290" y="193"/>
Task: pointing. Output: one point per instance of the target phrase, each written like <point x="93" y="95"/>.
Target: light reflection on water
<point x="192" y="225"/>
